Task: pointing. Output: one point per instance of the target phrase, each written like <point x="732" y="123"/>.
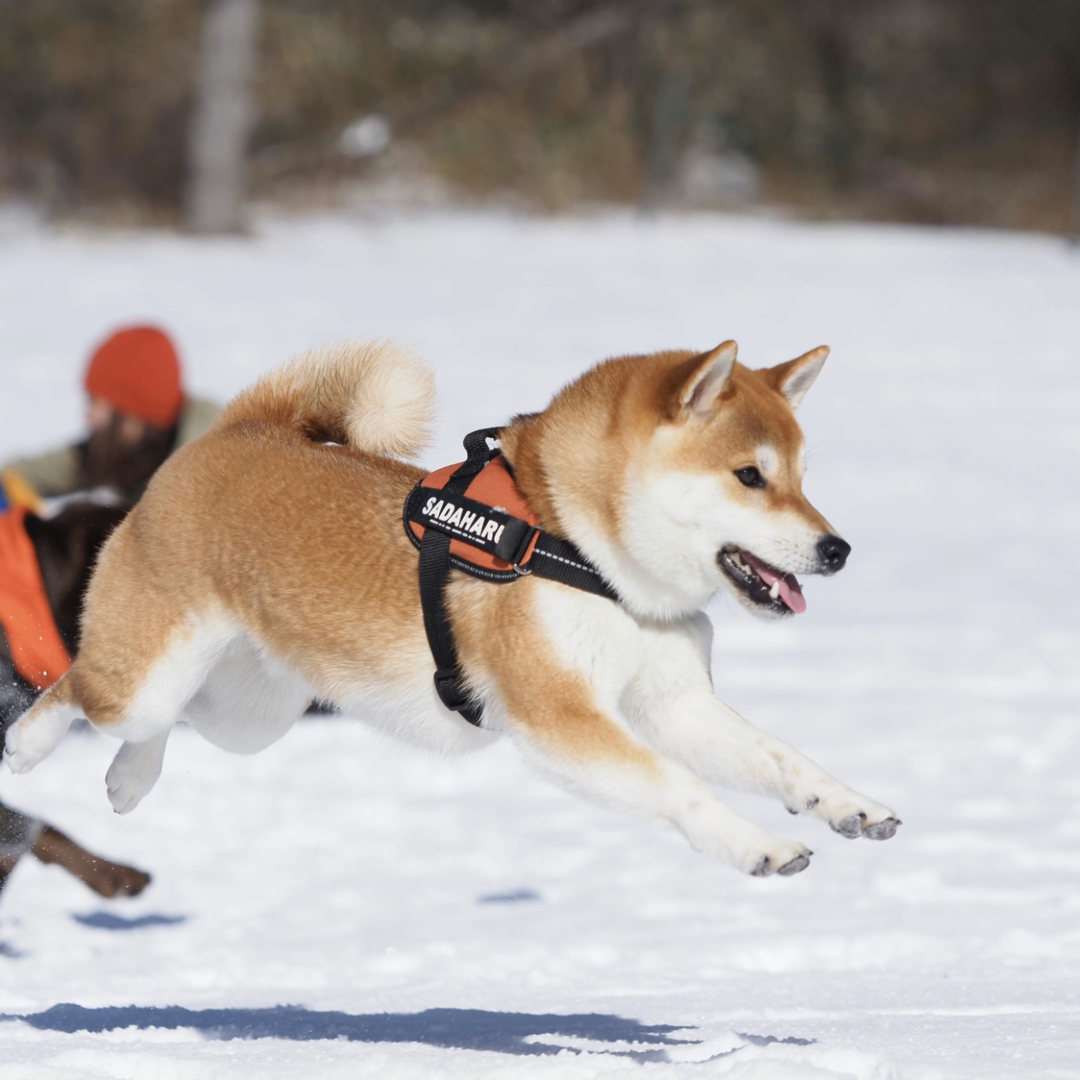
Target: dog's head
<point x="714" y="498"/>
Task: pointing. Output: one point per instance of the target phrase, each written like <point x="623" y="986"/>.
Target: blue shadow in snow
<point x="765" y="1040"/>
<point x="462" y="1029"/>
<point x="106" y="920"/>
<point x="518" y="896"/>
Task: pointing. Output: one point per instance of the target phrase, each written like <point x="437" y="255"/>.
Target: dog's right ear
<point x="699" y="393"/>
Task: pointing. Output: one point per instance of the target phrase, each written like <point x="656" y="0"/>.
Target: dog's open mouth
<point x="761" y="583"/>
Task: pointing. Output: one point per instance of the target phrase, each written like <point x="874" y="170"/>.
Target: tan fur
<point x="578" y="450"/>
<point x="261" y="529"/>
<point x="376" y="397"/>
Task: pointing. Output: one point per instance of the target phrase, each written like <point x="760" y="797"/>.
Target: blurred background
<point x="933" y="111"/>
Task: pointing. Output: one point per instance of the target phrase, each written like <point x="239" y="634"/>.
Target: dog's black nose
<point x="833" y="553"/>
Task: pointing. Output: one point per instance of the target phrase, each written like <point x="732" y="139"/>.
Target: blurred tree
<point x="223" y="117"/>
<point x="923" y="110"/>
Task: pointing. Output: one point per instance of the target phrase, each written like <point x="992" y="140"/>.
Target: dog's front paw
<point x="854" y="816"/>
<point x="882" y="830"/>
<point x="787" y="858"/>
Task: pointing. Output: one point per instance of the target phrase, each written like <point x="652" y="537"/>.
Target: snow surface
<point x="424" y="918"/>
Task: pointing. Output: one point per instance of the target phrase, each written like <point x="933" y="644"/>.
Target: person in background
<point x="138" y="414"/>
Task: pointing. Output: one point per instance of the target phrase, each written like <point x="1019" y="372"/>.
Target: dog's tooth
<point x="774" y="592"/>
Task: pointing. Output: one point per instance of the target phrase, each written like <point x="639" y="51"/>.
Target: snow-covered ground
<point x="423" y="918"/>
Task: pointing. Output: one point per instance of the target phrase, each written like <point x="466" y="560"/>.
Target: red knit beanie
<point x="137" y="372"/>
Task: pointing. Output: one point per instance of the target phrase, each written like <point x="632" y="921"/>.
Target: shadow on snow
<point x="462" y="1029"/>
<point x="465" y="1029"/>
<point x="106" y="920"/>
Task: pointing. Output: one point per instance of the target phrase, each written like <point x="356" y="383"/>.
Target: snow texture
<point x="342" y="906"/>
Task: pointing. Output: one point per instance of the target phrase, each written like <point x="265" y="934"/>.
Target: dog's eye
<point x="750" y="477"/>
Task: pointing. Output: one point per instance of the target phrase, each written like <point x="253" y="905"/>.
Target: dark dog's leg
<point x="18" y="833"/>
<point x="6" y="866"/>
<point x="67" y="547"/>
<point x="16" y="696"/>
<point x="106" y="878"/>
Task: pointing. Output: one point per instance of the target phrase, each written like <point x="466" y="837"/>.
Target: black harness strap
<point x="435" y="565"/>
<point x="561" y="561"/>
<point x="552" y="558"/>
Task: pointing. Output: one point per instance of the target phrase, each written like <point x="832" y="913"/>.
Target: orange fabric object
<point x="494" y="486"/>
<point x="137" y="372"/>
<point x="19" y="492"/>
<point x="37" y="650"/>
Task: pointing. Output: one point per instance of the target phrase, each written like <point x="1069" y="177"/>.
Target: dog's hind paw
<point x="126" y="791"/>
<point x="27" y="746"/>
<point x="134" y="771"/>
<point x="18" y="763"/>
<point x="15" y="759"/>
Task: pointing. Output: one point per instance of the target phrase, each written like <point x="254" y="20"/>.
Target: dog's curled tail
<point x="375" y="396"/>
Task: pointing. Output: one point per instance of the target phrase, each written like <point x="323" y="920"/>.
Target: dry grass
<point x="927" y="110"/>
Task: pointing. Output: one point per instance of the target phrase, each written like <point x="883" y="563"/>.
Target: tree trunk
<point x="1074" y="217"/>
<point x="223" y="115"/>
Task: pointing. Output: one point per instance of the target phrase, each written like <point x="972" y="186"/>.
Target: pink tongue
<point x="790" y="590"/>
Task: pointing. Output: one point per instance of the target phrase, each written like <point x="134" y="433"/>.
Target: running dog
<point x="267" y="565"/>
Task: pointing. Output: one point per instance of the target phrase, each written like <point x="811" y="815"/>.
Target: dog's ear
<point x="795" y="377"/>
<point x="709" y="375"/>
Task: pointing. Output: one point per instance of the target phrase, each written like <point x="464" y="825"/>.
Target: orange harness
<point x="483" y="525"/>
<point x="37" y="650"/>
<point x="473" y="517"/>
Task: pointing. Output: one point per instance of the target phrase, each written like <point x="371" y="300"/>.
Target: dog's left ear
<point x="699" y="394"/>
<point x="795" y="377"/>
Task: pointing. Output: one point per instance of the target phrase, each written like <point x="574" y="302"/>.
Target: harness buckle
<point x="523" y="550"/>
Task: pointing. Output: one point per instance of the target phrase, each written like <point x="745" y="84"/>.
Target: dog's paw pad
<point x="882" y="830"/>
<point x="766" y="865"/>
<point x="796" y="865"/>
<point x="851" y="826"/>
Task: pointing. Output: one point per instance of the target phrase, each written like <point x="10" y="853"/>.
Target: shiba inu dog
<point x="267" y="564"/>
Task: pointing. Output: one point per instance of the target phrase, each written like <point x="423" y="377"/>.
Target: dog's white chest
<point x="592" y="636"/>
